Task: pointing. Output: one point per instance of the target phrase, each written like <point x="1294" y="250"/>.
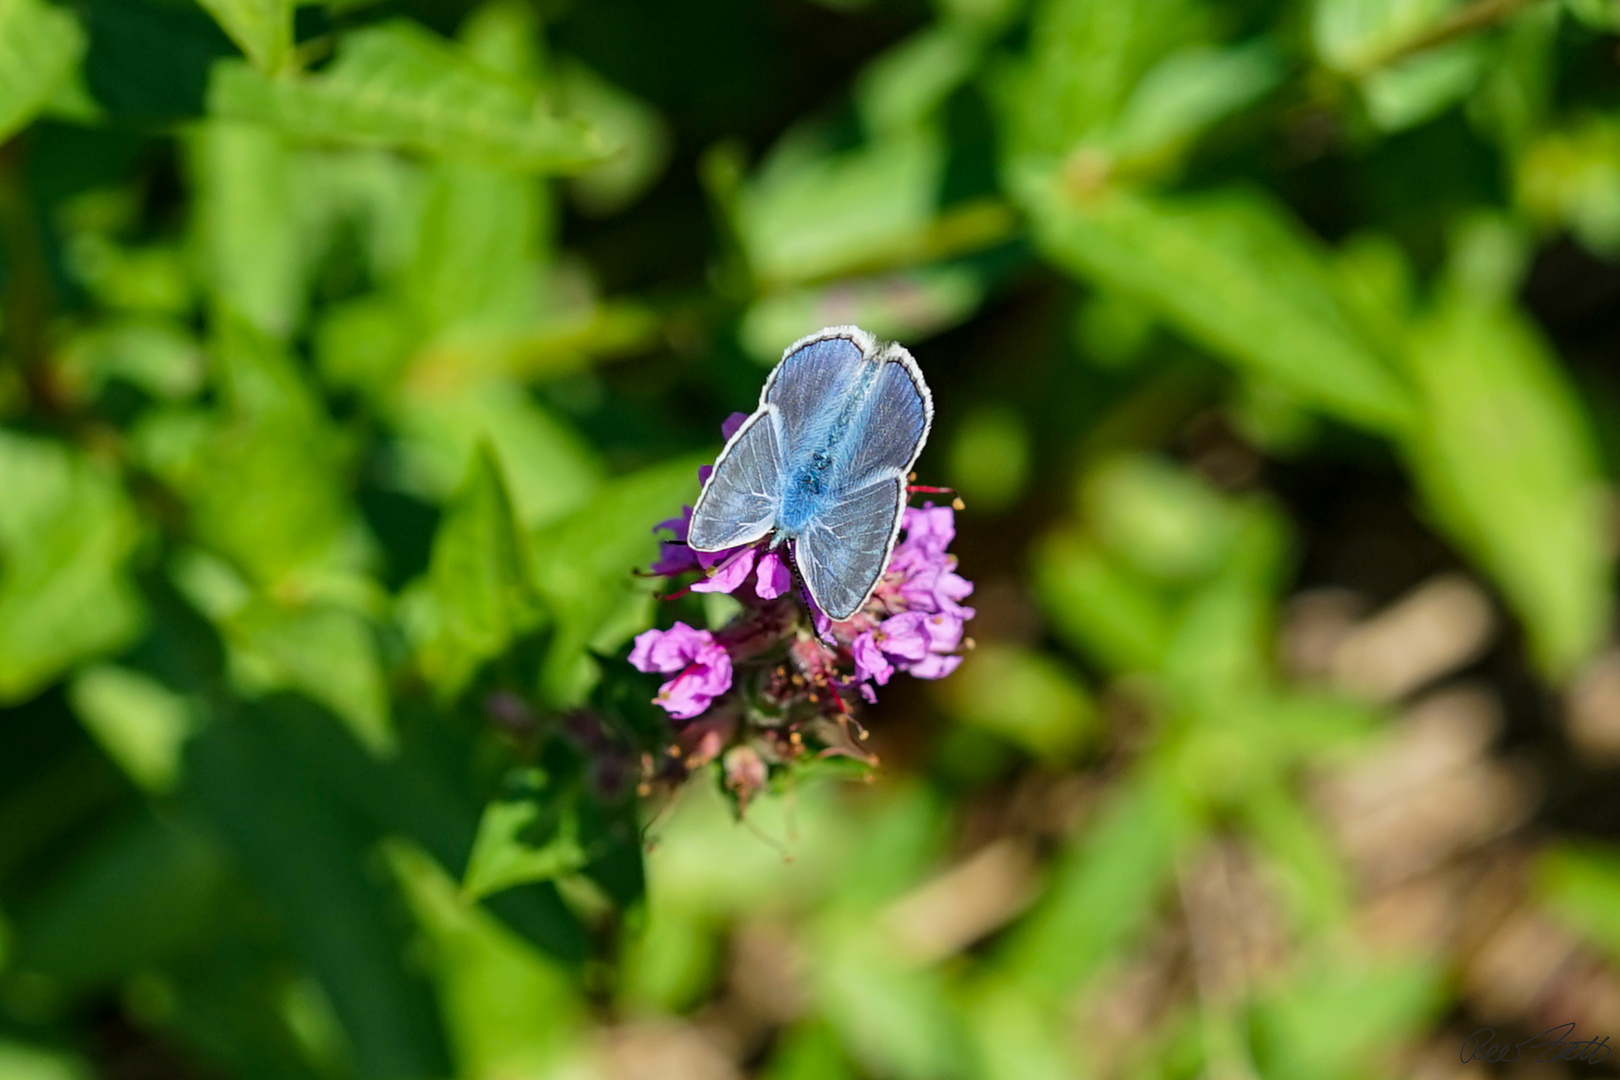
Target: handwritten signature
<point x="1481" y="1046"/>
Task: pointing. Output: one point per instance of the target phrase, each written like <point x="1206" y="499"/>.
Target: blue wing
<point x="894" y="425"/>
<point x="844" y="551"/>
<point x="738" y="505"/>
<point x="813" y="378"/>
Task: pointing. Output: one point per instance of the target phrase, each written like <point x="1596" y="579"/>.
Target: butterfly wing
<point x="894" y="426"/>
<point x="814" y="377"/>
<point x="738" y="505"/>
<point x="842" y="554"/>
<point x="846" y="548"/>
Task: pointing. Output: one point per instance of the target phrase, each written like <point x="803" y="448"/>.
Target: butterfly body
<point x="822" y="463"/>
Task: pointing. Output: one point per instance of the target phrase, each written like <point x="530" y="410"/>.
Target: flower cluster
<point x="776" y="683"/>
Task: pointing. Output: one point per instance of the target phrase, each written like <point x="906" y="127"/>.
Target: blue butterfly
<point x="823" y="463"/>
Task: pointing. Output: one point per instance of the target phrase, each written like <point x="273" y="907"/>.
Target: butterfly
<point x="823" y="464"/>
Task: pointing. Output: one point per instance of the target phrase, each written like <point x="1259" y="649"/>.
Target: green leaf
<point x="309" y="857"/>
<point x="584" y="567"/>
<point x="1085" y="59"/>
<point x="1187" y="92"/>
<point x="264" y="482"/>
<point x="138" y="721"/>
<point x="261" y="28"/>
<point x="1100" y="605"/>
<point x="477" y="596"/>
<point x="808" y="1052"/>
<point x="144" y="894"/>
<point x="39" y="45"/>
<point x="244" y="179"/>
<point x="502" y="856"/>
<point x="326" y="652"/>
<point x="549" y="469"/>
<point x="1581" y="883"/>
<point x="893" y="1018"/>
<point x="1105" y="888"/>
<point x="510" y="1010"/>
<point x="1504" y="443"/>
<point x="66" y="531"/>
<point x="20" y="1061"/>
<point x="811" y="214"/>
<point x="1234" y="274"/>
<point x="625" y="121"/>
<point x="1024" y="696"/>
<point x="1327" y="1021"/>
<point x="398" y="85"/>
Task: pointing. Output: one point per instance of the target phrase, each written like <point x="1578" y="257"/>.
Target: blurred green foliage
<point x="349" y="352"/>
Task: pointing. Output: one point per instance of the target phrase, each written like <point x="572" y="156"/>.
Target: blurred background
<point x="350" y="351"/>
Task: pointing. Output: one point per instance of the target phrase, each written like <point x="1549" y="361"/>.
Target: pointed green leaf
<point x="476" y="598"/>
<point x="398" y="85"/>
<point x="503" y="856"/>
<point x="261" y="28"/>
<point x="243" y="175"/>
<point x="66" y="531"/>
<point x="39" y="45"/>
<point x="1505" y="460"/>
<point x="1233" y="273"/>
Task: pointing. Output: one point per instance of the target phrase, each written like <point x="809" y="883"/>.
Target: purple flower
<point x="732" y="423"/>
<point x="934" y="666"/>
<point x="704" y="666"/>
<point x="904" y="636"/>
<point x="727" y="569"/>
<point x="870" y="663"/>
<point x="674" y="557"/>
<point x="774" y="576"/>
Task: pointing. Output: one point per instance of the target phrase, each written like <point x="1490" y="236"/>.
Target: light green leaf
<point x="19" y="1061"/>
<point x="510" y="1009"/>
<point x="1188" y="91"/>
<point x="1571" y="178"/>
<point x="66" y="530"/>
<point x="643" y="140"/>
<point x="1327" y="1021"/>
<point x="1105" y="888"/>
<point x="244" y="179"/>
<point x="264" y="483"/>
<point x="326" y="652"/>
<point x="1351" y="36"/>
<point x="1025" y="697"/>
<point x="1101" y="605"/>
<point x="905" y="306"/>
<point x="1085" y="59"/>
<point x="39" y="45"/>
<point x="1413" y="90"/>
<point x="811" y="214"/>
<point x="1581" y="883"/>
<point x="261" y="28"/>
<point x="584" y="565"/>
<point x="550" y="470"/>
<point x="1505" y="462"/>
<point x="138" y="721"/>
<point x="502" y="858"/>
<point x="477" y="261"/>
<point x="477" y="597"/>
<point x="399" y="85"/>
<point x="893" y="1018"/>
<point x="1233" y="273"/>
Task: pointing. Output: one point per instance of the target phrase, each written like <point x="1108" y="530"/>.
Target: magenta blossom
<point x="704" y="666"/>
